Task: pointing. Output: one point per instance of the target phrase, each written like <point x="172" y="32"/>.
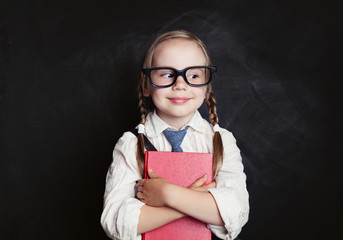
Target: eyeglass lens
<point x="165" y="76"/>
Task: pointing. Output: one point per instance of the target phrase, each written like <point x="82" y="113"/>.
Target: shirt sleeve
<point x="121" y="209"/>
<point x="230" y="194"/>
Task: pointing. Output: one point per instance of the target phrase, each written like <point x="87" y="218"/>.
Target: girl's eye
<point x="167" y="75"/>
<point x="193" y="76"/>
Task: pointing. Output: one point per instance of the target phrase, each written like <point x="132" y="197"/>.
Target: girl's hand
<point x="152" y="191"/>
<point x="198" y="185"/>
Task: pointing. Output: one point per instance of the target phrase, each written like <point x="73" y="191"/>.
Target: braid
<point x="212" y="108"/>
<point x="218" y="148"/>
<point x="140" y="144"/>
<point x="142" y="106"/>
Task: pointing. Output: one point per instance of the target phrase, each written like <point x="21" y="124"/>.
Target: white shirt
<point x="121" y="209"/>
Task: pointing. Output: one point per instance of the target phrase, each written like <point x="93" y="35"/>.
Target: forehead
<point x="178" y="53"/>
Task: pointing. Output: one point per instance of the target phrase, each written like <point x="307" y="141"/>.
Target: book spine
<point x="146" y="165"/>
<point x="145" y="176"/>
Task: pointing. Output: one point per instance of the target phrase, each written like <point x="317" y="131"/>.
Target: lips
<point x="179" y="100"/>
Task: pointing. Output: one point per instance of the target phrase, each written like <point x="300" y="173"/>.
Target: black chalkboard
<point x="68" y="77"/>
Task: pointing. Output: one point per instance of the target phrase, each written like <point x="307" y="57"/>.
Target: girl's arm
<point x="194" y="201"/>
<point x="151" y="218"/>
<point x="199" y="205"/>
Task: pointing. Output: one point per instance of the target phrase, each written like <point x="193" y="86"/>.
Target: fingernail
<point x="205" y="176"/>
<point x="149" y="170"/>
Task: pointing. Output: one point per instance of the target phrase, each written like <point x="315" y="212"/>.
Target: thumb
<point x="152" y="174"/>
<point x="199" y="182"/>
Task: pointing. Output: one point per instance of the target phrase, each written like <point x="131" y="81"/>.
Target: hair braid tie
<point x="141" y="128"/>
<point x="216" y="128"/>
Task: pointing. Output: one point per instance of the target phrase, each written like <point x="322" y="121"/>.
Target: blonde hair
<point x="146" y="105"/>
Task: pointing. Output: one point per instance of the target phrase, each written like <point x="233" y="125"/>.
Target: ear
<point x="146" y="90"/>
<point x="144" y="85"/>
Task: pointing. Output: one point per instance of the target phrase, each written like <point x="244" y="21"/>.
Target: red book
<point x="183" y="169"/>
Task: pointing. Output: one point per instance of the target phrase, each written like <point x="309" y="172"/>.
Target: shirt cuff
<point x="231" y="211"/>
<point x="128" y="217"/>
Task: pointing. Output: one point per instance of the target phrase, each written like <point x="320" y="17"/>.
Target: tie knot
<point x="175" y="138"/>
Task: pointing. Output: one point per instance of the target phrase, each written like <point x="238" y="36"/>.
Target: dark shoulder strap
<point x="147" y="144"/>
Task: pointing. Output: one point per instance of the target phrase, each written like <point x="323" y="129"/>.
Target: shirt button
<point x="243" y="214"/>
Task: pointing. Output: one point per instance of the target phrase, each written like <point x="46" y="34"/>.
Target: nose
<point x="180" y="83"/>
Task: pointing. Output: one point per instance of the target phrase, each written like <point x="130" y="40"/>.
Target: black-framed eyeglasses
<point x="195" y="76"/>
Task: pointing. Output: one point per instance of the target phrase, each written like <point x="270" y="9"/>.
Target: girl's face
<point x="177" y="104"/>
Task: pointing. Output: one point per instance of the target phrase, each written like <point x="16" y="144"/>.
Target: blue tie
<point x="175" y="138"/>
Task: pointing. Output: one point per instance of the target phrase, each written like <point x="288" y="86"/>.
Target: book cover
<point x="183" y="169"/>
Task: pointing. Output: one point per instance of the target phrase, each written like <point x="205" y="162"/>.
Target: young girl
<point x="174" y="83"/>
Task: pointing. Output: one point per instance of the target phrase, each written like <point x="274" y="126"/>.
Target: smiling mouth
<point x="179" y="100"/>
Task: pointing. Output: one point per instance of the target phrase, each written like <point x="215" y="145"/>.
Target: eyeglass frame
<point x="147" y="71"/>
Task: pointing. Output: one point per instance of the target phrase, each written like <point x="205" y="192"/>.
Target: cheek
<point x="200" y="96"/>
<point x="156" y="93"/>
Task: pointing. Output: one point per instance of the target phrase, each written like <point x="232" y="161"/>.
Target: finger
<point x="139" y="195"/>
<point x="141" y="182"/>
<point x="152" y="174"/>
<point x="140" y="188"/>
<point x="204" y="188"/>
<point x="199" y="182"/>
<point x="210" y="185"/>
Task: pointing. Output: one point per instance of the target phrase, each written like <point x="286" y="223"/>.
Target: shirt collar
<point x="155" y="125"/>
